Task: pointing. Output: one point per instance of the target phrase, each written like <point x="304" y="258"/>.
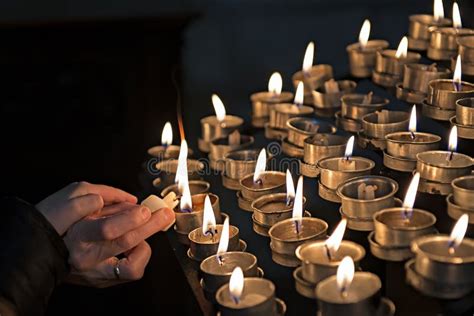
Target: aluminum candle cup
<point x="435" y="165"/>
<point x="272" y="208"/>
<point x="323" y="100"/>
<point x="316" y="266"/>
<point x="167" y="170"/>
<point x="237" y="165"/>
<point x="362" y="59"/>
<point x="402" y="149"/>
<point x="314" y="78"/>
<point x="455" y="211"/>
<point x="364" y="224"/>
<point x="217" y="269"/>
<point x="356" y="205"/>
<point x="202" y="246"/>
<point x="418" y="30"/>
<point x="262" y="229"/>
<point x="353" y="105"/>
<point x="347" y="124"/>
<point x="416" y="77"/>
<point x="378" y="124"/>
<point x="300" y="128"/>
<point x="466" y="48"/>
<point x="463" y="191"/>
<point x="389" y="69"/>
<point x="219" y="147"/>
<point x="363" y="296"/>
<point x="443" y="95"/>
<point x="465" y="111"/>
<point x="271" y="182"/>
<point x="211" y="128"/>
<point x="322" y="146"/>
<point x="285" y="240"/>
<point x="195" y="187"/>
<point x="262" y="102"/>
<point x="282" y="112"/>
<point x="258" y="298"/>
<point x="443" y="42"/>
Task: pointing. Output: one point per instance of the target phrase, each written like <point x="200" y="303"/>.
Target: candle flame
<point x="364" y="33"/>
<point x="457" y="74"/>
<point x="186" y="202"/>
<point x="438" y="10"/>
<point x="334" y="241"/>
<point x="458" y="232"/>
<point x="167" y="135"/>
<point x="402" y="49"/>
<point x="299" y="95"/>
<point x="219" y="107"/>
<point x="260" y="166"/>
<point x="410" y="196"/>
<point x="209" y="220"/>
<point x="236" y="284"/>
<point x="297" y="214"/>
<point x="457" y="24"/>
<point x="308" y="57"/>
<point x="349" y="147"/>
<point x="290" y="187"/>
<point x="275" y="84"/>
<point x="412" y="124"/>
<point x="224" y="241"/>
<point x="345" y="274"/>
<point x="453" y="139"/>
<point x="182" y="170"/>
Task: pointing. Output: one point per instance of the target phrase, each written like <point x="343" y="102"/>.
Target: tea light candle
<point x="312" y="76"/>
<point x="300" y="128"/>
<point x="362" y="54"/>
<point x="396" y="228"/>
<point x="204" y="241"/>
<point x="221" y="146"/>
<point x="416" y="77"/>
<point x="444" y="166"/>
<point x="460" y="201"/>
<point x="389" y="64"/>
<point x="321" y="258"/>
<point x="402" y="147"/>
<point x="262" y="182"/>
<point x="348" y="292"/>
<point x="444" y="265"/>
<point x="238" y="164"/>
<point x="378" y="124"/>
<point x="466" y="51"/>
<point x="327" y="98"/>
<point x="464" y="119"/>
<point x="288" y="234"/>
<point x="418" y="31"/>
<point x="356" y="105"/>
<point x="248" y="296"/>
<point x="443" y="40"/>
<point x="262" y="102"/>
<point x="218" y="125"/>
<point x="335" y="170"/>
<point x="167" y="150"/>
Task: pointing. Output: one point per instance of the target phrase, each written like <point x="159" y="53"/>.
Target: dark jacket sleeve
<point x="33" y="259"/>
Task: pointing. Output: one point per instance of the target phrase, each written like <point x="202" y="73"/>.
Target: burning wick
<point x="220" y="260"/>
<point x="412" y="135"/>
<point x="297" y="227"/>
<point x="345" y="275"/>
<point x="328" y="252"/>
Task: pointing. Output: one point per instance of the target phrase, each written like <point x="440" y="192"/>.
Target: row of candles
<point x="439" y="265"/>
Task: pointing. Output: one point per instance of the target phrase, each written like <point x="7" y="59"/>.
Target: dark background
<point x="86" y="86"/>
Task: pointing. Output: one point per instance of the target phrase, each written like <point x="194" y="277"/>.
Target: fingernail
<point x="146" y="213"/>
<point x="169" y="217"/>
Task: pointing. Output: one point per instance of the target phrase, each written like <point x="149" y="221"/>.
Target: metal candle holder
<point x="271" y="182"/>
<point x="167" y="171"/>
<point x="285" y="240"/>
<point x="166" y="152"/>
<point x="202" y="246"/>
<point x="395" y="229"/>
<point x="347" y="124"/>
<point x="313" y="78"/>
<point x="237" y="165"/>
<point x="460" y="201"/>
<point x="318" y="147"/>
<point x="442" y="97"/>
<point x="402" y="148"/>
<point x="436" y="272"/>
<point x="353" y="106"/>
<point x="362" y="59"/>
<point x="262" y="102"/>
<point x="443" y="42"/>
<point x="363" y="297"/>
<point x="262" y="229"/>
<point x="416" y="77"/>
<point x="258" y="298"/>
<point x="466" y="51"/>
<point x="211" y="129"/>
<point x="389" y="69"/>
<point x="195" y="187"/>
<point x="328" y="103"/>
<point x="331" y="174"/>
<point x="464" y="119"/>
<point x="280" y="114"/>
<point x="219" y="147"/>
<point x="272" y="208"/>
<point x="359" y="210"/>
<point x="376" y="125"/>
<point x="418" y="30"/>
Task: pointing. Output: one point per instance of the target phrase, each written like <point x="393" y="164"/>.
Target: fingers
<point x="132" y="267"/>
<point x="74" y="210"/>
<point x="127" y="217"/>
<point x="110" y="195"/>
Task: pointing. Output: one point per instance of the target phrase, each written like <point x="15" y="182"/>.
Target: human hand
<point x="122" y="228"/>
<point x="77" y="200"/>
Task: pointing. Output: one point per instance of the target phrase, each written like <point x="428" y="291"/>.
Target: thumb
<point x="74" y="210"/>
